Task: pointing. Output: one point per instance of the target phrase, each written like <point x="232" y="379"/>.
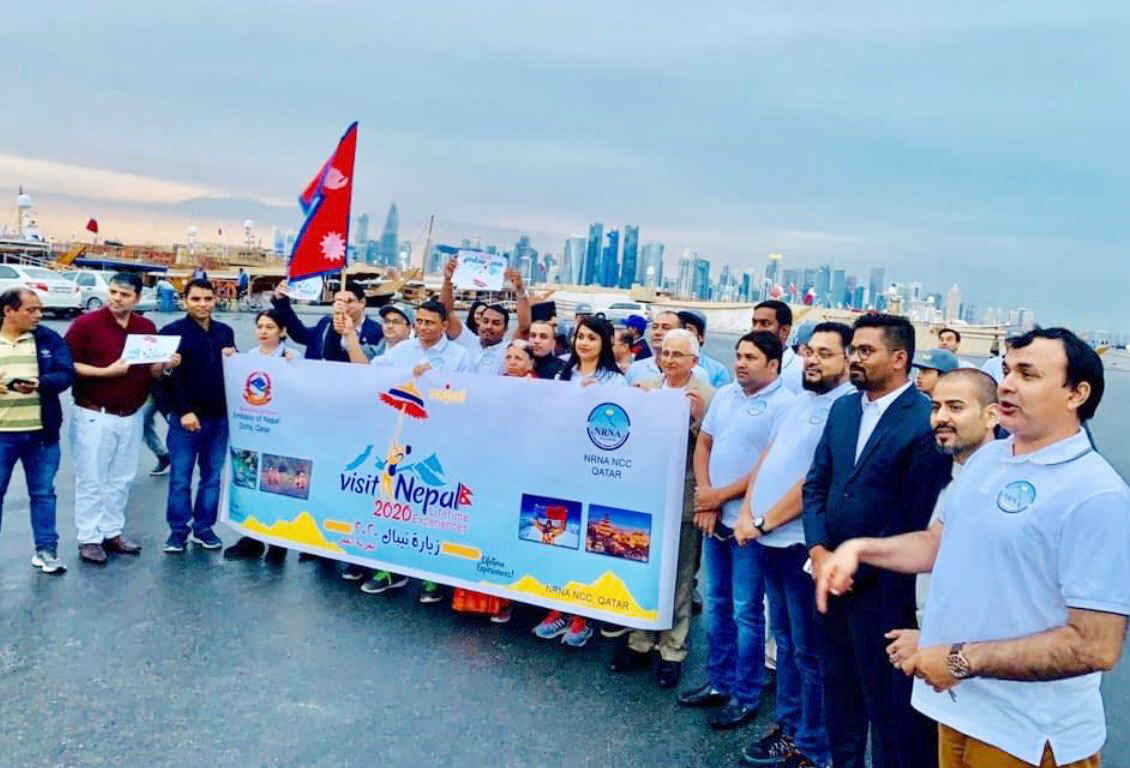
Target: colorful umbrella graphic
<point x="407" y="400"/>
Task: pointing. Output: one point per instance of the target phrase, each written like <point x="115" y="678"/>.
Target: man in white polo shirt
<point x="431" y="349"/>
<point x="487" y="347"/>
<point x="737" y="427"/>
<point x="777" y="318"/>
<point x="770" y="515"/>
<point x="648" y="368"/>
<point x="1029" y="598"/>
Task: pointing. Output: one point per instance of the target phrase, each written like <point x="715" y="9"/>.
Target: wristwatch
<point x="958" y="665"/>
<point x="759" y="524"/>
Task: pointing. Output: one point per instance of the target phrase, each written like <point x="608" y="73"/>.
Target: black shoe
<point x="696" y="602"/>
<point x="162" y="467"/>
<point x="703" y="697"/>
<point x="246" y="547"/>
<point x="769" y="750"/>
<point x="276" y="554"/>
<point x="307" y="556"/>
<point x="625" y="659"/>
<point x="667" y="674"/>
<point x="732" y="714"/>
<point x="354" y="572"/>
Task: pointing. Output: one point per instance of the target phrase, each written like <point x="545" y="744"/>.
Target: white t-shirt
<point x="740" y="426"/>
<point x="792" y="371"/>
<point x="922" y="581"/>
<point x="1024" y="538"/>
<point x="794" y="444"/>
<point x="648" y="368"/>
<point x="444" y="355"/>
<point x="489" y="360"/>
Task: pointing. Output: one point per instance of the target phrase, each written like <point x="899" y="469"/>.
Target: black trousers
<point x="862" y="688"/>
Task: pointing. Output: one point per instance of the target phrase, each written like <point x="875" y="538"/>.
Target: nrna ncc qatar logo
<point x="1016" y="497"/>
<point x="609" y="426"/>
<point x="257" y="388"/>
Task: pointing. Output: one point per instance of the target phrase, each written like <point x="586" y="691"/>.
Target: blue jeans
<point x="208" y="447"/>
<point x="41" y="462"/>
<point x="735" y="618"/>
<point x="149" y="434"/>
<point x="792" y="615"/>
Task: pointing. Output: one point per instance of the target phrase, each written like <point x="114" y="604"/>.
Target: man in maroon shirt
<point x="106" y="423"/>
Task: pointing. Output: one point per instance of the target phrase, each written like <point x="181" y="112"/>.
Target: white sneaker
<point x="48" y="562"/>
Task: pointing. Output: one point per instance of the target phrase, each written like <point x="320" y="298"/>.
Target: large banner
<point x="533" y="490"/>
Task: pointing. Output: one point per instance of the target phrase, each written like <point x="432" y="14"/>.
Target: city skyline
<point x="950" y="142"/>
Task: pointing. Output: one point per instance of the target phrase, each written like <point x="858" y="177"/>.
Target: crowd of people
<point x="940" y="562"/>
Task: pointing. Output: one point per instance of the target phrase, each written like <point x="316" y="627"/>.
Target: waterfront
<point x="195" y="660"/>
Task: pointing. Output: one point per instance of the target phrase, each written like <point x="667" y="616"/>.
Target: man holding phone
<point x="737" y="428"/>
<point x="35" y="367"/>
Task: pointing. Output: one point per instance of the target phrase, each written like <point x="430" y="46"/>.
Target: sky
<point x="974" y="143"/>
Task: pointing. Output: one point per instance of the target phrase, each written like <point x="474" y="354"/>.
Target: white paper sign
<point x="145" y="348"/>
<point x="309" y="289"/>
<point x="479" y="271"/>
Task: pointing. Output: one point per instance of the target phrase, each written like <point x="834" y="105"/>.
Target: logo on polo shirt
<point x="1016" y="497"/>
<point x="757" y="407"/>
<point x="257" y="388"/>
<point x="608" y="426"/>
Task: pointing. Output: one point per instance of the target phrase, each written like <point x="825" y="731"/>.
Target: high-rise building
<point x="849" y="292"/>
<point x="651" y="265"/>
<point x="876" y="287"/>
<point x="524" y="258"/>
<point x="610" y="261"/>
<point x="773" y="269"/>
<point x="684" y="284"/>
<point x="808" y="281"/>
<point x="591" y="272"/>
<point x="700" y="286"/>
<point x="389" y="239"/>
<point x="858" y="297"/>
<point x="839" y="287"/>
<point x="791" y="282"/>
<point x="573" y="261"/>
<point x="823" y="284"/>
<point x="630" y="263"/>
<point x="362" y="233"/>
<point x="749" y="287"/>
<point x="953" y="304"/>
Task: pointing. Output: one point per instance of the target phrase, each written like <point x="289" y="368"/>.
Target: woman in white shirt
<point x="270" y="332"/>
<point x="593" y="363"/>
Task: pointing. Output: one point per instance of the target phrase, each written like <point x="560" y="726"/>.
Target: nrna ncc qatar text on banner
<point x="569" y="499"/>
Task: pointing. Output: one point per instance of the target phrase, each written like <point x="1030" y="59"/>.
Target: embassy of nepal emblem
<point x="257" y="388"/>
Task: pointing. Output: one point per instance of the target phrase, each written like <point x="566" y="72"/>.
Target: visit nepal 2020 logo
<point x="415" y="486"/>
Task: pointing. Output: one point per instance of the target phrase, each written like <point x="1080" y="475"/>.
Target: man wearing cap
<point x="695" y="321"/>
<point x="637" y="325"/>
<point x="324" y="341"/>
<point x="648" y="368"/>
<point x="486" y="347"/>
<point x="1028" y="598"/>
<point x="397" y="321"/>
<point x="931" y="364"/>
<point x="777" y="318"/>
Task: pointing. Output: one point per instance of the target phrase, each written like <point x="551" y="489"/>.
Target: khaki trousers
<point x="672" y="643"/>
<point x="956" y="750"/>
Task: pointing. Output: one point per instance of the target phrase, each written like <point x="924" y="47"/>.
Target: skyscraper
<point x="362" y="233"/>
<point x="573" y="262"/>
<point x="700" y="287"/>
<point x="876" y="286"/>
<point x="823" y="284"/>
<point x="839" y="286"/>
<point x="953" y="304"/>
<point x="591" y="273"/>
<point x="610" y="264"/>
<point x="628" y="268"/>
<point x="651" y="265"/>
<point x="524" y="258"/>
<point x="684" y="284"/>
<point x="389" y="240"/>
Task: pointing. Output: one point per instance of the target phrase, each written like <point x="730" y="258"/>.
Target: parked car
<point x="57" y="294"/>
<point x="618" y="311"/>
<point x="94" y="287"/>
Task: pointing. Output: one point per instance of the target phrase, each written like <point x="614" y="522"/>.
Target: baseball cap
<point x="636" y="323"/>
<point x="582" y="308"/>
<point x="941" y="360"/>
<point x="403" y="310"/>
<point x="693" y="317"/>
<point x="803" y="333"/>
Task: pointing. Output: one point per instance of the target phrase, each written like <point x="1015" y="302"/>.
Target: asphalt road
<point x="192" y="660"/>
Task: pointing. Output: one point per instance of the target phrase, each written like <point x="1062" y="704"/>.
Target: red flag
<point x="92" y="226"/>
<point x="322" y="243"/>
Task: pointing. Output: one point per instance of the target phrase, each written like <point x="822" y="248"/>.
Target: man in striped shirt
<point x="35" y="366"/>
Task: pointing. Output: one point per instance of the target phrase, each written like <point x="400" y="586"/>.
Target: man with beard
<point x="770" y="516"/>
<point x="485" y="345"/>
<point x="875" y="473"/>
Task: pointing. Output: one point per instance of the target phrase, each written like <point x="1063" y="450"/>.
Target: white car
<point x="618" y="311"/>
<point x="94" y="287"/>
<point x="57" y="293"/>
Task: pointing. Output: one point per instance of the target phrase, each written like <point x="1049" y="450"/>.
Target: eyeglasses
<point x="827" y="354"/>
<point x="672" y="354"/>
<point x="865" y="351"/>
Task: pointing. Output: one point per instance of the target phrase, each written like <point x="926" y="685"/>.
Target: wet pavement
<point x="194" y="660"/>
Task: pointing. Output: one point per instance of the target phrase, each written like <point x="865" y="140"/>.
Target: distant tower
<point x="249" y="233"/>
<point x="362" y="231"/>
<point x="629" y="267"/>
<point x="191" y="232"/>
<point x="27" y="225"/>
<point x="953" y="304"/>
<point x="389" y="241"/>
<point x="592" y="272"/>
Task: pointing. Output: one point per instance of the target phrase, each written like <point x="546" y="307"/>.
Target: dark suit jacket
<point x="322" y="342"/>
<point x="893" y="487"/>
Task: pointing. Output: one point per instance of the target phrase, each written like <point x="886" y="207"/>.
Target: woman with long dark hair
<point x="593" y="361"/>
<point x="473" y="316"/>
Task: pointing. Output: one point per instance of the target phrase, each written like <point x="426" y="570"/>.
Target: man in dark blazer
<point x="876" y="472"/>
<point x="323" y="341"/>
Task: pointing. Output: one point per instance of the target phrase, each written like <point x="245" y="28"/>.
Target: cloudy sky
<point x="968" y="142"/>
